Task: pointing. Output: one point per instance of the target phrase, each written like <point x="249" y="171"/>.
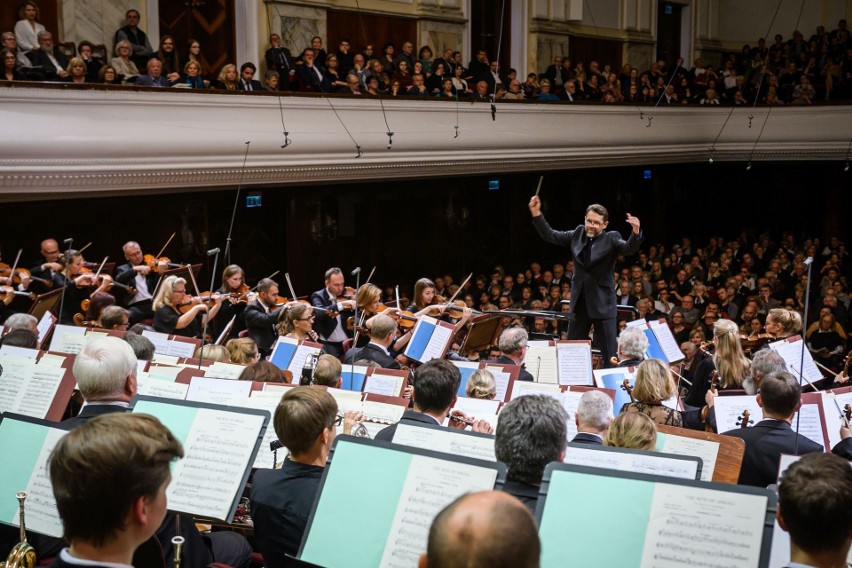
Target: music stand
<point x="46" y="303"/>
<point x="183" y="272"/>
<point x="481" y="335"/>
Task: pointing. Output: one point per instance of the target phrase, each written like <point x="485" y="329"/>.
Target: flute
<point x="468" y="421"/>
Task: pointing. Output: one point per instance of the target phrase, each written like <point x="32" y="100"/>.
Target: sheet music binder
<point x="699" y="463"/>
<point x="630" y="524"/>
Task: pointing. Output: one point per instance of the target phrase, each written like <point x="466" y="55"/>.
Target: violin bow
<point x="466" y="280"/>
<point x="396" y="294"/>
<point x="268" y="277"/>
<point x="14" y="268"/>
<point x="159" y="254"/>
<point x="840" y="410"/>
<point x="85" y="247"/>
<point x="370" y="277"/>
<point x="290" y="285"/>
<point x="538" y="189"/>
<point x="101" y="267"/>
<point x="191" y="277"/>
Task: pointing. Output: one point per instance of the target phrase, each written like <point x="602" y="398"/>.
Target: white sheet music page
<point x="44" y="325"/>
<point x="38" y="392"/>
<point x="477" y="406"/>
<point x="298" y="360"/>
<point x="833" y="421"/>
<point x="148" y="386"/>
<point x="217" y="391"/>
<point x="218" y="447"/>
<point x="346" y="400"/>
<point x="387" y="385"/>
<point x="693" y="526"/>
<point x="575" y="364"/>
<point x="525" y="388"/>
<point x="445" y="440"/>
<point x="791" y="352"/>
<point x="224" y="371"/>
<point x="541" y="362"/>
<point x="667" y="341"/>
<point x="809" y="425"/>
<point x="180" y="348"/>
<point x="68" y="339"/>
<point x="431" y="485"/>
<point x="502" y="379"/>
<point x="636" y="463"/>
<point x="729" y="410"/>
<point x="437" y="343"/>
<point x="160" y="341"/>
<point x="22" y="352"/>
<point x="41" y="515"/>
<point x="571" y="402"/>
<point x="265" y="457"/>
<point x="707" y="450"/>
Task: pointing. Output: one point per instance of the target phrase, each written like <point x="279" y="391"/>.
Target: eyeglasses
<point x="593" y="223"/>
<point x="307" y="318"/>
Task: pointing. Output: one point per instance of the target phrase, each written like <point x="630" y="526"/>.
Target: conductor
<point x="592" y="286"/>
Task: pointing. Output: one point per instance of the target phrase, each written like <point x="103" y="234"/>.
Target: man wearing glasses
<point x="592" y="288"/>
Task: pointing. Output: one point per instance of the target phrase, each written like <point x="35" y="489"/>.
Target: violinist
<point x="77" y="284"/>
<point x="261" y="316"/>
<point x="49" y="264"/>
<point x="137" y="274"/>
<point x="236" y="293"/>
<point x="296" y="321"/>
<point x="782" y="323"/>
<point x="424" y="295"/>
<point x="728" y="359"/>
<point x="177" y="314"/>
<point x="331" y="325"/>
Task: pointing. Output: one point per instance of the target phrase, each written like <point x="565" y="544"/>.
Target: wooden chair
<point x="100" y="52"/>
<point x="68" y="48"/>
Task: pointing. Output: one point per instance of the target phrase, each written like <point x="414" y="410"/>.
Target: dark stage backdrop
<point x="410" y="229"/>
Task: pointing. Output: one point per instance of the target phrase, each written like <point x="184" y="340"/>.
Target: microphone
<point x="68" y="241"/>
<point x="356" y="272"/>
<point x="808" y="261"/>
<point x="216" y="250"/>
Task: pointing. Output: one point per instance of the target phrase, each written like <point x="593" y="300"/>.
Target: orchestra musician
<point x="77" y="285"/>
<point x="237" y="296"/>
<point x="331" y="325"/>
<point x="49" y="264"/>
<point x="382" y="336"/>
<point x="138" y="275"/>
<point x="177" y="314"/>
<point x="261" y="316"/>
<point x="592" y="287"/>
<point x="782" y="323"/>
<point x="513" y="344"/>
<point x="728" y="359"/>
<point x="424" y="295"/>
<point x="296" y="322"/>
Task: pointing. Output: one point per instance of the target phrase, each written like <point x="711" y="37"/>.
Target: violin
<point x="847" y="413"/>
<point x="206" y="298"/>
<point x="625" y="385"/>
<point x="154" y="263"/>
<point x="348" y="293"/>
<point x="20" y="274"/>
<point x="707" y="347"/>
<point x="743" y="421"/>
<point x="456" y="307"/>
<point x="404" y="318"/>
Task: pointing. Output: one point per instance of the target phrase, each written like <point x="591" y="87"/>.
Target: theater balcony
<point x="64" y="141"/>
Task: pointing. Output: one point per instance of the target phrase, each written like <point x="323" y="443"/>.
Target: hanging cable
<point x="848" y="154"/>
<point x="236" y="205"/>
<point x="381" y="102"/>
<point x="751" y="154"/>
<point x="357" y="146"/>
<point x="765" y="61"/>
<point x="677" y="66"/>
<point x="287" y="140"/>
<point x="499" y="48"/>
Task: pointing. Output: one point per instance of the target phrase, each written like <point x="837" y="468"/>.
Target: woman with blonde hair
<point x="481" y="384"/>
<point x="123" y="65"/>
<point x="728" y="359"/>
<point x="169" y="319"/>
<point x="782" y="323"/>
<point x="296" y="321"/>
<point x="654" y="384"/>
<point x="215" y="353"/>
<point x="632" y="430"/>
<point x="243" y="351"/>
<point x="227" y="80"/>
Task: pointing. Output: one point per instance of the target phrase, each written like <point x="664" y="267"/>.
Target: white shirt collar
<point x="74" y="561"/>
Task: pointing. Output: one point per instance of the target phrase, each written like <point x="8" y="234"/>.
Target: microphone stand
<point x="211" y="252"/>
<point x="236" y="205"/>
<point x="808" y="262"/>
<point x="70" y="243"/>
<point x="355" y="319"/>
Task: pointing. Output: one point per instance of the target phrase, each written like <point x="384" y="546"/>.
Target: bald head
<point x="490" y="528"/>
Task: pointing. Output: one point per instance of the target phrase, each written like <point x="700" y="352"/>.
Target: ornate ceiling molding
<point x="97" y="141"/>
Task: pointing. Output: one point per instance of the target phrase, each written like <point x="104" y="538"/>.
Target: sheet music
<point x="163" y="359"/>
<point x="218" y="448"/>
<point x="729" y="410"/>
<point x="438" y="342"/>
<point x="445" y="440"/>
<point x="571" y="402"/>
<point x="791" y="352"/>
<point x="575" y="364"/>
<point x="430" y="485"/>
<point x="523" y="388"/>
<point x="298" y="360"/>
<point x="164" y="372"/>
<point x="707" y="450"/>
<point x="228" y="371"/>
<point x="22" y="352"/>
<point x="51" y="360"/>
<point x="541" y="362"/>
<point x="346" y="400"/>
<point x="420" y="336"/>
<point x="68" y="339"/>
<point x="388" y="385"/>
<point x="265" y="457"/>
<point x="217" y="391"/>
<point x="283" y="351"/>
<point x="477" y="406"/>
<point x="180" y="348"/>
<point x="667" y="341"/>
<point x="636" y="463"/>
<point x="160" y="341"/>
<point x="145" y="385"/>
<point x="44" y="325"/>
<point x="41" y="513"/>
<point x="27" y="388"/>
<point x="390" y="413"/>
<point x="809" y="425"/>
<point x="693" y="526"/>
<point x="501" y="378"/>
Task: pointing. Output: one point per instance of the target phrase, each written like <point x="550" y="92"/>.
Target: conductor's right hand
<point x="535" y="206"/>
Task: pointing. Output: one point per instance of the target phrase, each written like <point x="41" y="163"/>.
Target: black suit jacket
<point x="125" y="274"/>
<point x="40" y="59"/>
<point x="765" y="442"/>
<point x="594" y="278"/>
<point x="411" y="417"/>
<point x="310" y="82"/>
<point x="524" y="375"/>
<point x="583" y="438"/>
<point x="325" y="324"/>
<point x="261" y="325"/>
<point x="372" y="352"/>
<point x="280" y="59"/>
